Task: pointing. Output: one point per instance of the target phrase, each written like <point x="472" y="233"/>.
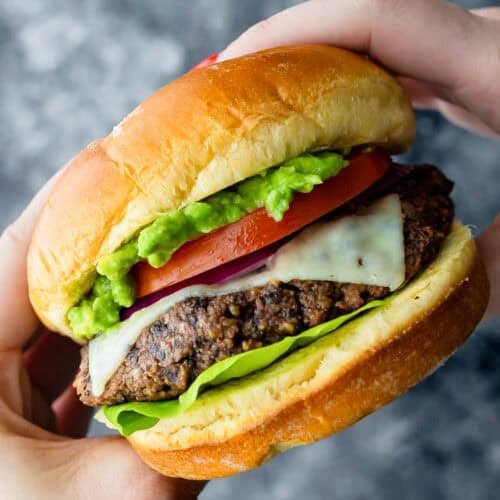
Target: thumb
<point x="97" y="468"/>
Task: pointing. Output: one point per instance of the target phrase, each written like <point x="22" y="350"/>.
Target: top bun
<point x="197" y="135"/>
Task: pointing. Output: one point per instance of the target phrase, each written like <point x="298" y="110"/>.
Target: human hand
<point x="40" y="413"/>
<point x="447" y="58"/>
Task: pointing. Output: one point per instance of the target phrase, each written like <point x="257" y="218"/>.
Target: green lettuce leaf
<point x="130" y="417"/>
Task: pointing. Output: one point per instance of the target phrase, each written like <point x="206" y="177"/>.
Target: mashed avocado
<point x="273" y="189"/>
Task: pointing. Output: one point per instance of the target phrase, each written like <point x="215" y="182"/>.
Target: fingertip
<point x="72" y="416"/>
<point x="208" y="61"/>
<point x="52" y="361"/>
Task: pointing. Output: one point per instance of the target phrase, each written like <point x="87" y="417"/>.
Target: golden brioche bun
<point x="331" y="384"/>
<point x="201" y="133"/>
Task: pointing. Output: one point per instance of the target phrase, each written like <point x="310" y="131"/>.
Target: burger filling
<point x="273" y="189"/>
<point x="356" y="254"/>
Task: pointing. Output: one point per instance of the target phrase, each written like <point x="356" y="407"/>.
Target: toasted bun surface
<point x="199" y="134"/>
<point x="331" y="384"/>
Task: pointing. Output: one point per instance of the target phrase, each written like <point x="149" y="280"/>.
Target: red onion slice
<point x="221" y="274"/>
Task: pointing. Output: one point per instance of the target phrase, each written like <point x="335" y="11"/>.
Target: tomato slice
<point x="257" y="230"/>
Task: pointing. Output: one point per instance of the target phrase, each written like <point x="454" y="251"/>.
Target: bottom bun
<point x="331" y="384"/>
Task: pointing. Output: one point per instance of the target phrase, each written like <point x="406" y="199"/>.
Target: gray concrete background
<point x="70" y="70"/>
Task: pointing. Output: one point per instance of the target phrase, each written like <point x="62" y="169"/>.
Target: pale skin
<point x="449" y="60"/>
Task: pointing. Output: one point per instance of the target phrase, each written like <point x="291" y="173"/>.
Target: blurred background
<point x="72" y="69"/>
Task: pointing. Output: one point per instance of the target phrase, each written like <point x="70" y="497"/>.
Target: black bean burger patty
<point x="197" y="332"/>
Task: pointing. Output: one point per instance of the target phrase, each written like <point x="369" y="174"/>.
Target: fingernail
<point x="208" y="61"/>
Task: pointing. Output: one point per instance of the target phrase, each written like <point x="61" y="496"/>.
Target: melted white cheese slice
<point x="365" y="249"/>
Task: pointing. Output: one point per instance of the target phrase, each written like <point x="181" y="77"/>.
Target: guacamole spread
<point x="272" y="189"/>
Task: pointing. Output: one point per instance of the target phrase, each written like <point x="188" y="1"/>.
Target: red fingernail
<point x="206" y="62"/>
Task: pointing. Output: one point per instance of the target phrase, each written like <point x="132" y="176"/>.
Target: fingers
<point x="72" y="416"/>
<point x="211" y="59"/>
<point x="41" y="412"/>
<point x="52" y="361"/>
<point x="463" y="118"/>
<point x="98" y="468"/>
<point x="423" y="97"/>
<point x="431" y="41"/>
<point x="109" y="466"/>
<point x="17" y="319"/>
<point x="403" y="35"/>
<point x="14" y="384"/>
<point x="489" y="248"/>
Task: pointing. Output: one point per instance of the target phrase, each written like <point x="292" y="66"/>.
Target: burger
<point x="246" y="268"/>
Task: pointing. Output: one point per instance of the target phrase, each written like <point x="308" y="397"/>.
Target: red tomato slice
<point x="257" y="229"/>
